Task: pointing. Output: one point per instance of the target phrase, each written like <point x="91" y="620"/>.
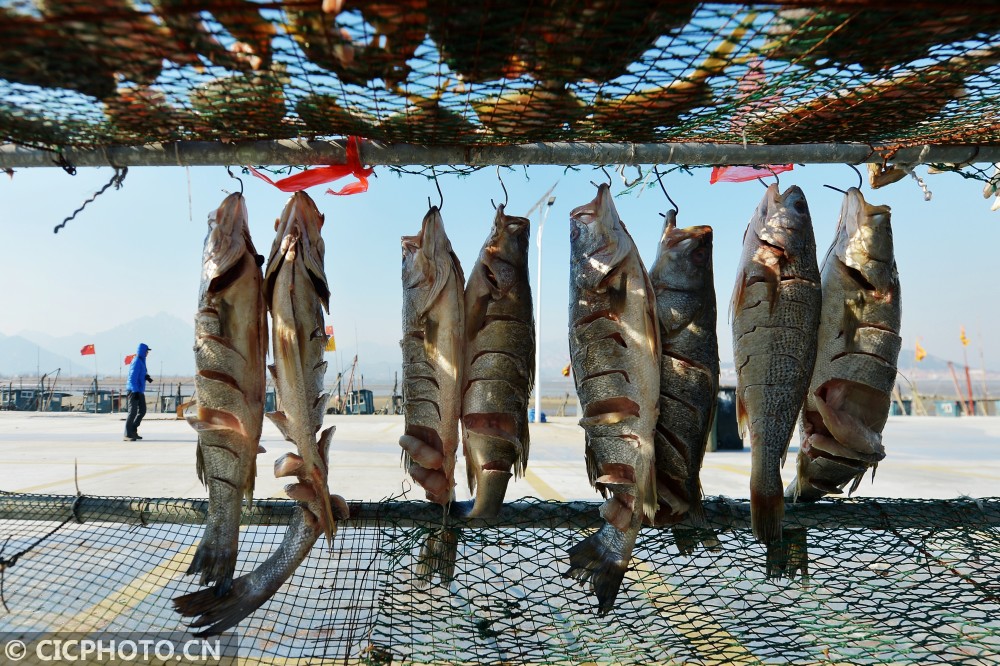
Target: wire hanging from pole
<point x="440" y="196"/>
<point x="505" y="195"/>
<point x="116" y="180"/>
<point x="659" y="179"/>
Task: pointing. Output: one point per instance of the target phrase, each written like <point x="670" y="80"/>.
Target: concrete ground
<point x="927" y="458"/>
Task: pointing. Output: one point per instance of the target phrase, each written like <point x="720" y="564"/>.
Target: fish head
<point x="227" y="242"/>
<point x="597" y="240"/>
<point x="428" y="258"/>
<point x="298" y="238"/>
<point x="864" y="241"/>
<point x="786" y="222"/>
<point x="684" y="257"/>
<point x="504" y="256"/>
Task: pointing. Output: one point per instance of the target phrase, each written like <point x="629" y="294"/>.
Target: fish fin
<point x="280" y="420"/>
<point x="437" y="558"/>
<point x="648" y="490"/>
<point x="789" y="556"/>
<point x="742" y="418"/>
<point x="597" y="558"/>
<point x="767" y="512"/>
<point x="200" y="464"/>
<point x="288" y="464"/>
<point x="652" y="320"/>
<point x="216" y="562"/>
<point x="320" y="482"/>
<point x="525" y="441"/>
<point x="687" y="540"/>
<point x="738" y="290"/>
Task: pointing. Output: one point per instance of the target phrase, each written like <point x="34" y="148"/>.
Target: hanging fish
<point x="615" y="349"/>
<point x="775" y="312"/>
<point x="230" y="350"/>
<point x="433" y="359"/>
<point x="849" y="396"/>
<point x="499" y="363"/>
<point x="297" y="292"/>
<point x="682" y="280"/>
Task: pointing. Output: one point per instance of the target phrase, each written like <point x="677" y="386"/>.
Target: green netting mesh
<point x="85" y="73"/>
<point x="876" y="582"/>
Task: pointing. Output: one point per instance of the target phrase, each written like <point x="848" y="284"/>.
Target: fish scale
<point x="775" y="319"/>
<point x="614" y="347"/>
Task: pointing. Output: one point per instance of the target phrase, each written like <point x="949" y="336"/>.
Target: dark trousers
<point x="136" y="410"/>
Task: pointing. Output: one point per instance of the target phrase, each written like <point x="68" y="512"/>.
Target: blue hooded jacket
<point x="137" y="370"/>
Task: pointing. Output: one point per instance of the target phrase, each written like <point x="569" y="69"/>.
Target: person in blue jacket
<point x="137" y="378"/>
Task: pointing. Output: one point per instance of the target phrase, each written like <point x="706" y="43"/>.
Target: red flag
<point x="87" y="350"/>
<point x="740" y="174"/>
<point x="326" y="174"/>
<point x="129" y="358"/>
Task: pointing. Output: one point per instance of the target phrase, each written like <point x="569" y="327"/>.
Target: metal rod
<point x="722" y="513"/>
<point x="302" y="151"/>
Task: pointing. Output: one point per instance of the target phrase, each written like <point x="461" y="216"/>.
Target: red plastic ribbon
<point x="739" y="174"/>
<point x="326" y="174"/>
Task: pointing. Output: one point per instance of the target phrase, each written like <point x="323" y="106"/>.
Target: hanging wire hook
<point x="659" y="179"/>
<point x="438" y="186"/>
<point x="505" y="196"/>
<point x="608" y="175"/>
<point x="234" y="177"/>
<point x="861" y="180"/>
<point x="773" y="173"/>
<point x="117" y="179"/>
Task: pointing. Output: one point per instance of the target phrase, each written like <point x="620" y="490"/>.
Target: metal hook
<point x="861" y="180"/>
<point x="438" y="186"/>
<point x="505" y="196"/>
<point x="659" y="179"/>
<point x="773" y="173"/>
<point x="234" y="177"/>
<point x="608" y="175"/>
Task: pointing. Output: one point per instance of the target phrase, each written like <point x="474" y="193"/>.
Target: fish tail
<point x="438" y="557"/>
<point x="789" y="556"/>
<point x="216" y="562"/>
<point x="767" y="499"/>
<point x="687" y="540"/>
<point x="603" y="559"/>
<point x="767" y="512"/>
<point x="215" y="558"/>
<point x="216" y="611"/>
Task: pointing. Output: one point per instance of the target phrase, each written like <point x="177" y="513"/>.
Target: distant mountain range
<point x="171" y="340"/>
<point x="169" y="337"/>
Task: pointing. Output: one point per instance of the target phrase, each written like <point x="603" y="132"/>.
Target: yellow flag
<point x="920" y="353"/>
<point x="331" y="343"/>
<point x="565" y="371"/>
<point x="965" y="340"/>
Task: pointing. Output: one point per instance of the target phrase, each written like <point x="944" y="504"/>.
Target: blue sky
<point x="137" y="251"/>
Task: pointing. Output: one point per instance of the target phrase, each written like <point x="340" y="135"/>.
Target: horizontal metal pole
<point x="302" y="151"/>
<point x="722" y="513"/>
